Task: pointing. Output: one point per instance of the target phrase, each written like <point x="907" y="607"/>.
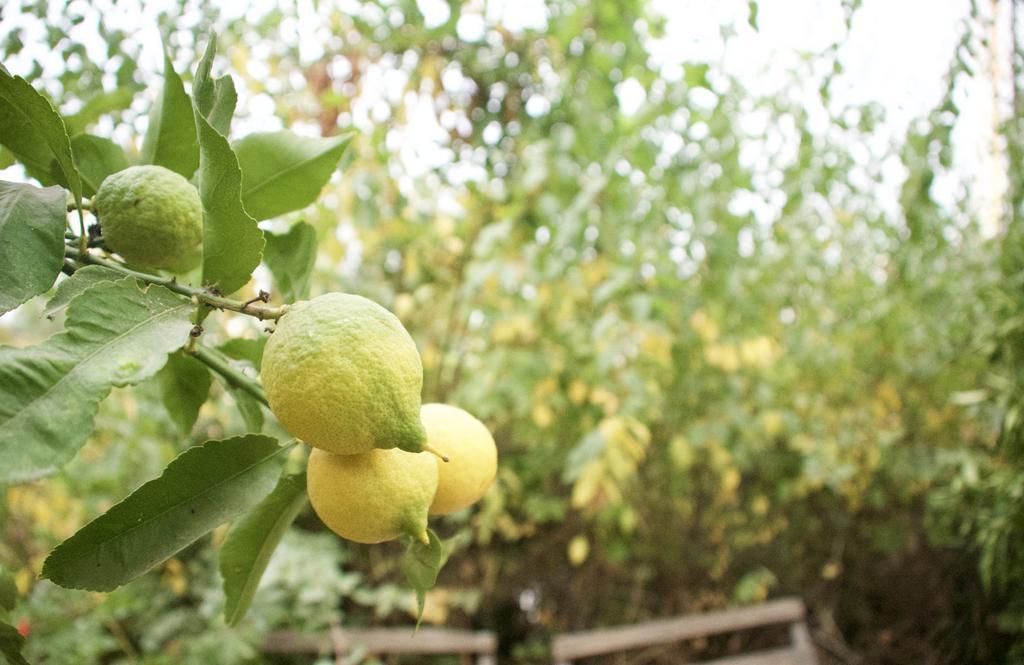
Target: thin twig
<point x="254" y="307"/>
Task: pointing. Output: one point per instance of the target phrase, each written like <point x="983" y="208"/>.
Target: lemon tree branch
<point x="255" y="307"/>
<point x="219" y="364"/>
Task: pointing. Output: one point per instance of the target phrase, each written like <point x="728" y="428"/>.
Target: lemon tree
<point x="168" y="237"/>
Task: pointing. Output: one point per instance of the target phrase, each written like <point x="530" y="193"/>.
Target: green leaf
<point x="35" y="133"/>
<point x="96" y="158"/>
<point x="252" y="540"/>
<point x="282" y="171"/>
<point x="421" y="563"/>
<point x="245" y="349"/>
<point x="290" y="257"/>
<point x="202" y="488"/>
<point x="215" y="99"/>
<point x="752" y="14"/>
<point x="184" y="385"/>
<point x="232" y="242"/>
<point x="224" y="100"/>
<point x="8" y="591"/>
<point x="11" y="644"/>
<point x="249" y="407"/>
<point x="170" y="139"/>
<point x="6" y="158"/>
<point x="116" y="335"/>
<point x="32" y="222"/>
<point x="83" y="279"/>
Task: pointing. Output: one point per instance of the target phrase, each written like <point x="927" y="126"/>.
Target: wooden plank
<point x="802" y="644"/>
<point x="786" y="656"/>
<point x="611" y="640"/>
<point x="385" y="641"/>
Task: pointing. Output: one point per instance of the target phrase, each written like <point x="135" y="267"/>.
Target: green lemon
<point x="472" y="456"/>
<point x="375" y="496"/>
<point x="342" y="374"/>
<point x="151" y="216"/>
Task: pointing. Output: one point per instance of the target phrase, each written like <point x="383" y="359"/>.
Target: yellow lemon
<point x="151" y="216"/>
<point x="374" y="496"/>
<point x="342" y="374"/>
<point x="472" y="455"/>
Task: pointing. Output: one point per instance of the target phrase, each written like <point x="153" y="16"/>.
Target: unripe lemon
<point x="375" y="496"/>
<point x="342" y="374"/>
<point x="151" y="216"/>
<point x="472" y="456"/>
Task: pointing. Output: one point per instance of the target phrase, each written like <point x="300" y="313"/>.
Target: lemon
<point x="472" y="456"/>
<point x="151" y="216"/>
<point x="342" y="374"/>
<point x="375" y="496"/>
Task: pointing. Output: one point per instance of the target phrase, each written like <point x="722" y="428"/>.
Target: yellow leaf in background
<point x="595" y="272"/>
<point x="681" y="451"/>
<point x="723" y="356"/>
<point x="174" y="577"/>
<point x="517" y="328"/>
<point x="507" y="527"/>
<point x="23" y="581"/>
<point x="605" y="399"/>
<point x="718" y="456"/>
<point x="760" y="505"/>
<point x="444" y="225"/>
<point x="587" y="485"/>
<point x="47" y="507"/>
<point x="888" y="396"/>
<point x="758" y="352"/>
<point x="730" y="481"/>
<point x="577" y="391"/>
<point x="772" y="423"/>
<point x="802" y="443"/>
<point x="542" y="415"/>
<point x="704" y="326"/>
<point x="657" y="347"/>
<point x="503" y="332"/>
<point x="405" y="304"/>
<point x="578" y="550"/>
<point x="430" y="356"/>
<point x="411" y="267"/>
<point x="546" y="387"/>
<point x="603" y="478"/>
<point x="454" y="246"/>
<point x="543" y="295"/>
<point x="934" y="420"/>
<point x="436" y="606"/>
<point x="830" y="570"/>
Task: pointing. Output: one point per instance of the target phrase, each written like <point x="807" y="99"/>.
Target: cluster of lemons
<point x="343" y="375"/>
<point x="340" y="372"/>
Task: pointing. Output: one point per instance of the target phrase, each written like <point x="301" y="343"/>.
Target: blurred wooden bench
<point x="788" y="611"/>
<point x="388" y="641"/>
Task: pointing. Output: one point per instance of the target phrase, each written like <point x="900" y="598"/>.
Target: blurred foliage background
<point x="721" y="363"/>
